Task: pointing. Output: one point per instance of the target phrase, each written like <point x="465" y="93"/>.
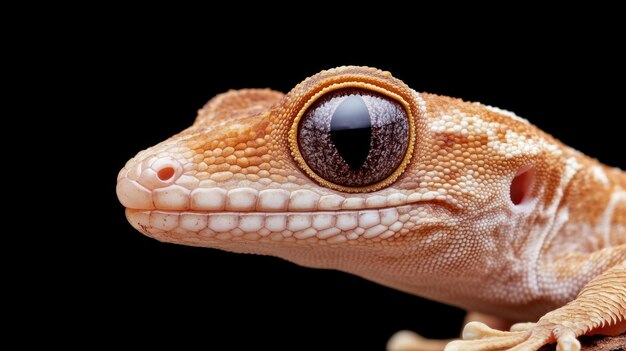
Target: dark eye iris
<point x="354" y="137"/>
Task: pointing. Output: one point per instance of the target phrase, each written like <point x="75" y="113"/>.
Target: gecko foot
<point x="522" y="337"/>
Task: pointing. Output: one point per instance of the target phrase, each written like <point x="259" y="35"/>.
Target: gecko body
<point x="455" y="201"/>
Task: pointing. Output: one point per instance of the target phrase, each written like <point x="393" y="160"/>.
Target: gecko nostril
<point x="166" y="173"/>
<point x="522" y="184"/>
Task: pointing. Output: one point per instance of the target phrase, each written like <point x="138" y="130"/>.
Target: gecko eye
<point x="354" y="137"/>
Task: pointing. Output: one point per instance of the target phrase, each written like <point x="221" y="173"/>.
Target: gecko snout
<point x="136" y="182"/>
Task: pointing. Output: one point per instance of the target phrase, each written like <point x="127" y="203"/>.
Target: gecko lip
<point x="332" y="226"/>
<point x="184" y="196"/>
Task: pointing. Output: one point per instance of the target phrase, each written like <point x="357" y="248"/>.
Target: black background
<point x="150" y="85"/>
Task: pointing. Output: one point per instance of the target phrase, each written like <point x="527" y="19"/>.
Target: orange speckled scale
<point x="481" y="209"/>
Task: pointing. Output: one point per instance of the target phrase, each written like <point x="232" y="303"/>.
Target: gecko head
<point x="351" y="162"/>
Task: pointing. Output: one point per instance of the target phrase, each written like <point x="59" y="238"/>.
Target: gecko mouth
<point x="171" y="212"/>
<point x="313" y="226"/>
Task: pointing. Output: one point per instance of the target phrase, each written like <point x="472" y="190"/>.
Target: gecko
<point x="455" y="201"/>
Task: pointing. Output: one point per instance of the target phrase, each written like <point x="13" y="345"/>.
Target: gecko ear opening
<point x="522" y="185"/>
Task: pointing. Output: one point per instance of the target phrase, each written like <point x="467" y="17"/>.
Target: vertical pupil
<point x="351" y="130"/>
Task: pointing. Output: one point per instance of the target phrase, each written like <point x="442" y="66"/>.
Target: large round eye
<point x="354" y="137"/>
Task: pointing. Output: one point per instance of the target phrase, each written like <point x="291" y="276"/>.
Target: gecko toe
<point x="522" y="326"/>
<point x="478" y="330"/>
<point x="568" y="342"/>
<point x="489" y="343"/>
<point x="405" y="340"/>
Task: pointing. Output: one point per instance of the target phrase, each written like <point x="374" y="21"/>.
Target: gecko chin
<point x="222" y="230"/>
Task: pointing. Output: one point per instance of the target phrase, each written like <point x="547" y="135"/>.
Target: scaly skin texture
<point x="443" y="226"/>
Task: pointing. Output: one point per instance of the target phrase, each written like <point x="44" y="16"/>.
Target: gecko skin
<point x="455" y="201"/>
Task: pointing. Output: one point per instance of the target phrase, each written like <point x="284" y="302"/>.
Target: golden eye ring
<point x="364" y="88"/>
